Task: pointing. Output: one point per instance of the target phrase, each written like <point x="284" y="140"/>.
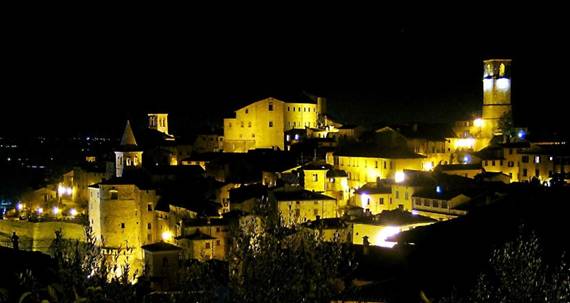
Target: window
<point x="525" y="159"/>
<point x="246" y="110"/>
<point x="406" y="196"/>
<point x="537" y="173"/>
<point x="217" y="229"/>
<point x="123" y="225"/>
<point x="270" y="107"/>
<point x="510" y="164"/>
<point x="524" y="172"/>
<point x="270" y="123"/>
<point x="435" y="203"/>
<point x="315" y="177"/>
<point x="375" y="164"/>
<point x="427" y="202"/>
<point x="510" y="151"/>
<point x="299" y="108"/>
<point x="241" y="123"/>
<point x="419" y="202"/>
<point x="288" y="108"/>
<point x="381" y="201"/>
<point x="230" y="125"/>
<point x="315" y="212"/>
<point x="384" y="164"/>
<point x="537" y="159"/>
<point x="397" y="195"/>
<point x="293" y="108"/>
<point x="149" y="226"/>
<point x="297" y="212"/>
<point x="207" y="245"/>
<point x="443" y="204"/>
<point x="493" y="163"/>
<point x="501" y="162"/>
<point x="114" y="194"/>
<point x="218" y="242"/>
<point x="149" y="207"/>
<point x="249" y="124"/>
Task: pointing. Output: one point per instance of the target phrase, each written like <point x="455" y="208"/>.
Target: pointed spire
<point x="128" y="136"/>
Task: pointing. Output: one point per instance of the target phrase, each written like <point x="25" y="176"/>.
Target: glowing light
<point x="438" y="189"/>
<point x="487" y="84"/>
<point x="503" y="83"/>
<point x="364" y="198"/>
<point x="297" y="137"/>
<point x="399" y="177"/>
<point x="414" y="212"/>
<point x="60" y="190"/>
<point x="73" y="212"/>
<point x="521" y="134"/>
<point x="478" y="122"/>
<point x="55" y="210"/>
<point x="466" y="159"/>
<point x="19" y="206"/>
<point x="385" y="233"/>
<point x="40" y="210"/>
<point x="428" y="166"/>
<point x="465" y="143"/>
<point x="288" y="138"/>
<point x="167" y="236"/>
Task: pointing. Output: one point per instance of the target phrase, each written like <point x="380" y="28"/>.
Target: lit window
<point x="537" y="159"/>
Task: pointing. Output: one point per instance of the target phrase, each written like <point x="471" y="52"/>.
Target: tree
<point x="519" y="274"/>
<point x="272" y="263"/>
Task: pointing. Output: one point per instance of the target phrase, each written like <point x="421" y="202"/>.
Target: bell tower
<point x="158" y="122"/>
<point x="128" y="155"/>
<point x="496" y="94"/>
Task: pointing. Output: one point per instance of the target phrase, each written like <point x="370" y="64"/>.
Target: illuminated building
<point x="378" y="228"/>
<point x="263" y="124"/>
<point x="373" y="197"/>
<point x="299" y="206"/>
<point x="496" y="94"/>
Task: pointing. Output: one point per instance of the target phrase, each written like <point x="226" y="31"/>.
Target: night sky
<point x="91" y="72"/>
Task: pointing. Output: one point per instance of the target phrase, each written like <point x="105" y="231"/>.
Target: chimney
<point x="365" y="245"/>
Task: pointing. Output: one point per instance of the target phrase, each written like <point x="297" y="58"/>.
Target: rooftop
<point x="394" y="217"/>
<point x="299" y="195"/>
<point x="160" y="246"/>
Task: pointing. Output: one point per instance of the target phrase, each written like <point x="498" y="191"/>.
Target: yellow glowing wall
<point x="315" y="180"/>
<point x="300" y="115"/>
<point x="296" y="212"/>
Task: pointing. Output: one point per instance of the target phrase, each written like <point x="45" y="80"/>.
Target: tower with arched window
<point x="128" y="155"/>
<point x="496" y="94"/>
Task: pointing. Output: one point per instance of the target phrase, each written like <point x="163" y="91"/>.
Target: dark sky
<point x="91" y="71"/>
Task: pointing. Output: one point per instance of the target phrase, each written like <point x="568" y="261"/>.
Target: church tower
<point x="158" y="122"/>
<point x="128" y="155"/>
<point x="496" y="94"/>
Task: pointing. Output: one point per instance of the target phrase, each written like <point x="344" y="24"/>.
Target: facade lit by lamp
<point x="478" y="122"/>
<point x="167" y="236"/>
<point x="464" y="143"/>
<point x="386" y="232"/>
<point x="64" y="190"/>
<point x="399" y="177"/>
<point x="364" y="200"/>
